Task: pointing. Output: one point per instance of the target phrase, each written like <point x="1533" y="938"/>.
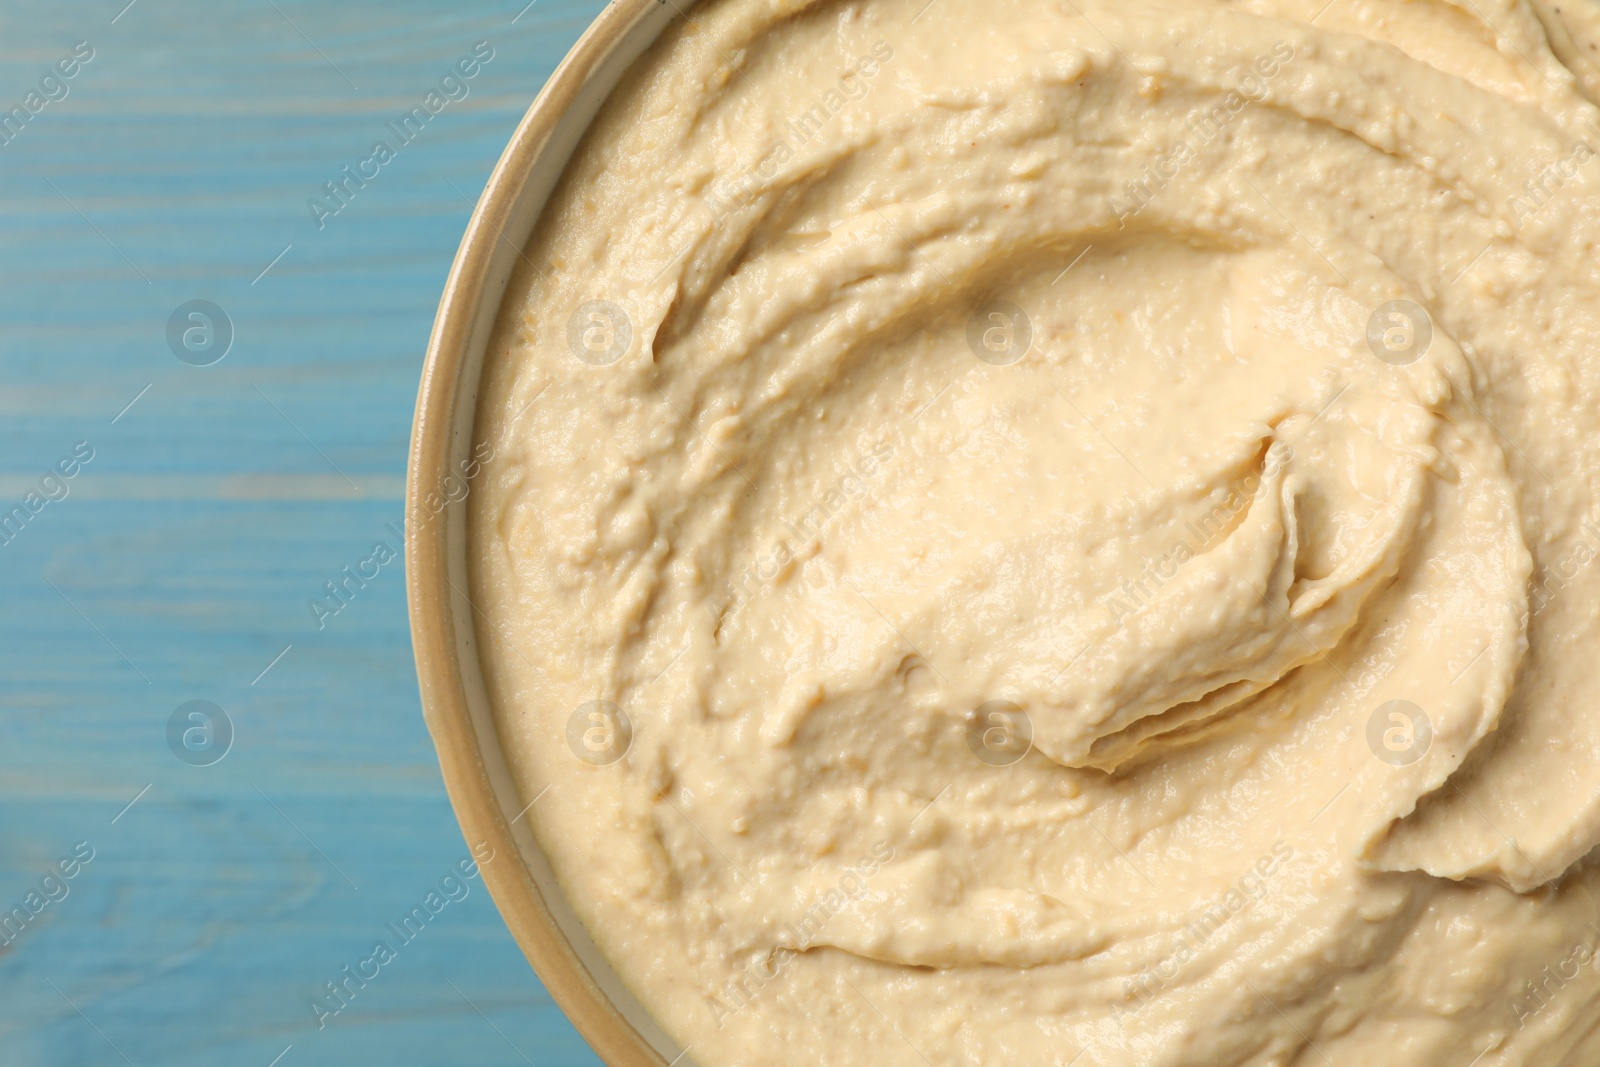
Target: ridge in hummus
<point x="1064" y="532"/>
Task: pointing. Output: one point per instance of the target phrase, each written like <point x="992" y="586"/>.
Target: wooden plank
<point x="178" y="564"/>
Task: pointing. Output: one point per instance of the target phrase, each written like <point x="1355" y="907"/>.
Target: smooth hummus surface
<point x="1063" y="532"/>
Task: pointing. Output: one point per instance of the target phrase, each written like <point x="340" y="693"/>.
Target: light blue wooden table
<point x="176" y="164"/>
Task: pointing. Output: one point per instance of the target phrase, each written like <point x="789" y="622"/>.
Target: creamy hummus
<point x="1064" y="532"/>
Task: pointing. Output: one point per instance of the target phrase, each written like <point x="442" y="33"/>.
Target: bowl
<point x="443" y="619"/>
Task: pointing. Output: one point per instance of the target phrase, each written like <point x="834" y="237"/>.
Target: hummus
<point x="1064" y="532"/>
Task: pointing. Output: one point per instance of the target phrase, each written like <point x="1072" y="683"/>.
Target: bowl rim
<point x="441" y="633"/>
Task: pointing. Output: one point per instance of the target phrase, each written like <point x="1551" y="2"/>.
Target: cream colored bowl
<point x="443" y="620"/>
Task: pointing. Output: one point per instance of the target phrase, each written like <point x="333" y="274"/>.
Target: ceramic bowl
<point x="443" y="620"/>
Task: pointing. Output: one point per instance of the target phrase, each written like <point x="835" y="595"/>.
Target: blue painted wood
<point x="179" y="561"/>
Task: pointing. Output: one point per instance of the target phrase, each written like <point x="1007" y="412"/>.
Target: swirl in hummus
<point x="1061" y="532"/>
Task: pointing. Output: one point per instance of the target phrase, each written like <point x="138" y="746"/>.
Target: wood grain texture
<point x="181" y="559"/>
